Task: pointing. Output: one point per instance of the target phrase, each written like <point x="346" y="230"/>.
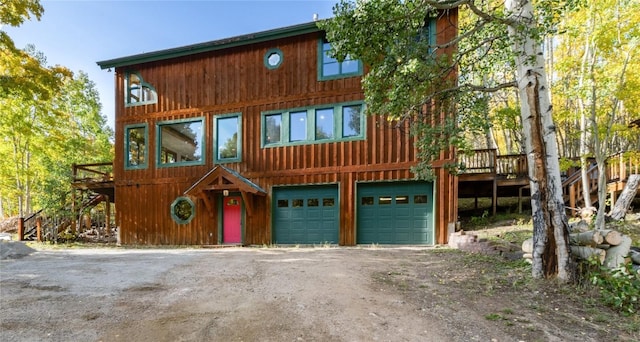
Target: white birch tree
<point x="498" y="46"/>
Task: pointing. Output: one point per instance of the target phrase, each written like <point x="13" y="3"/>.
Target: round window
<point x="273" y="58"/>
<point x="183" y="210"/>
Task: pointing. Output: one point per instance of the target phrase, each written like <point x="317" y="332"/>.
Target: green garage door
<point x="306" y="215"/>
<point x="395" y="213"/>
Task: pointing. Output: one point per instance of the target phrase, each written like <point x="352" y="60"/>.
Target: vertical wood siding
<point x="235" y="80"/>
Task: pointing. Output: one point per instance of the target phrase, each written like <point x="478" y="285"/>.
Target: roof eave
<point x="226" y="43"/>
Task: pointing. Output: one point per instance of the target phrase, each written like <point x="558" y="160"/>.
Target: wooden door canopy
<point x="222" y="178"/>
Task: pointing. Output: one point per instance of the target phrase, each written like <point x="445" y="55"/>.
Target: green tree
<point x="48" y="120"/>
<point x="411" y="78"/>
<point x="597" y="80"/>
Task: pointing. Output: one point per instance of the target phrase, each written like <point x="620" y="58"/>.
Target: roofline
<point x="214" y="45"/>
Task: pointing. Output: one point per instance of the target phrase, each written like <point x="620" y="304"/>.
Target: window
<point x="331" y="68"/>
<point x="137" y="91"/>
<point x="136" y="146"/>
<point x="351" y="123"/>
<point x="315" y="124"/>
<point x="183" y="210"/>
<point x="298" y="126"/>
<point x="273" y="58"/>
<point x="384" y="200"/>
<point x="420" y="199"/>
<point x="367" y="200"/>
<point x="283" y="203"/>
<point x="228" y="140"/>
<point x="324" y="123"/>
<point x="180" y="143"/>
<point x="272" y="128"/>
<point x="402" y="199"/>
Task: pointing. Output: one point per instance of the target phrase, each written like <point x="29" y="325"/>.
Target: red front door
<point x="232" y="219"/>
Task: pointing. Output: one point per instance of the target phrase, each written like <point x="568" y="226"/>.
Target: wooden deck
<point x="96" y="177"/>
<point x="489" y="175"/>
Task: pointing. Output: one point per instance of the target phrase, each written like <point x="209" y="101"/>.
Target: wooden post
<point x="520" y="200"/>
<point x="107" y="214"/>
<point x="572" y="196"/>
<point x="73" y="207"/>
<point x="39" y="228"/>
<point x="494" y="199"/>
<point x="21" y="229"/>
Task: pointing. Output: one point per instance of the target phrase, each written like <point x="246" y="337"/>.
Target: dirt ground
<point x="284" y="294"/>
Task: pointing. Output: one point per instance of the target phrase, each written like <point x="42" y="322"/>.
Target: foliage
<point x="49" y="119"/>
<point x="619" y="288"/>
<point x="15" y="12"/>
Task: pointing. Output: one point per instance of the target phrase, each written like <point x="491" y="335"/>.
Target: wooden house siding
<point x="235" y="80"/>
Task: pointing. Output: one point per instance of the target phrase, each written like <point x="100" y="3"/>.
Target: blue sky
<point x="78" y="33"/>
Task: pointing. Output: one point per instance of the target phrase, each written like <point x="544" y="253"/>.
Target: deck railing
<point x="96" y="172"/>
<point x="512" y="165"/>
<point x="621" y="165"/>
<point x="572" y="187"/>
<point x="488" y="161"/>
<point x="480" y="161"/>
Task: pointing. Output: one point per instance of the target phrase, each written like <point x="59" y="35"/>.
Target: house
<point x="261" y="139"/>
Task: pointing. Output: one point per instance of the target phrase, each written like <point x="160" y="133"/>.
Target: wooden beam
<point x="207" y="203"/>
<point x="248" y="202"/>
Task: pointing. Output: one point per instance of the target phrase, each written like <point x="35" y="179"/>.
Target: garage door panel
<point x="313" y="210"/>
<point x="395" y="213"/>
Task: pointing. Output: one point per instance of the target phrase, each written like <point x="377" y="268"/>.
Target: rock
<point x="14" y="250"/>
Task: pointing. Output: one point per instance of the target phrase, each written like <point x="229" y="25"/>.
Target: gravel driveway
<point x="227" y="294"/>
<point x="269" y="294"/>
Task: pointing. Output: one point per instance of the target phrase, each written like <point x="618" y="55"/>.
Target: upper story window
<point x="228" y="138"/>
<point x="136" y="146"/>
<point x="180" y="142"/>
<point x="313" y="124"/>
<point x="137" y="91"/>
<point x="331" y="68"/>
<point x="273" y="58"/>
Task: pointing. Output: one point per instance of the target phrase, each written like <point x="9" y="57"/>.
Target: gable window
<point x="228" y="140"/>
<point x="137" y="91"/>
<point x="136" y="146"/>
<point x="180" y="142"/>
<point x="313" y="124"/>
<point x="273" y="58"/>
<point x="331" y="68"/>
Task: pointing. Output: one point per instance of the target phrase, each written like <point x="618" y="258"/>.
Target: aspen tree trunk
<point x="586" y="194"/>
<point x="551" y="252"/>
